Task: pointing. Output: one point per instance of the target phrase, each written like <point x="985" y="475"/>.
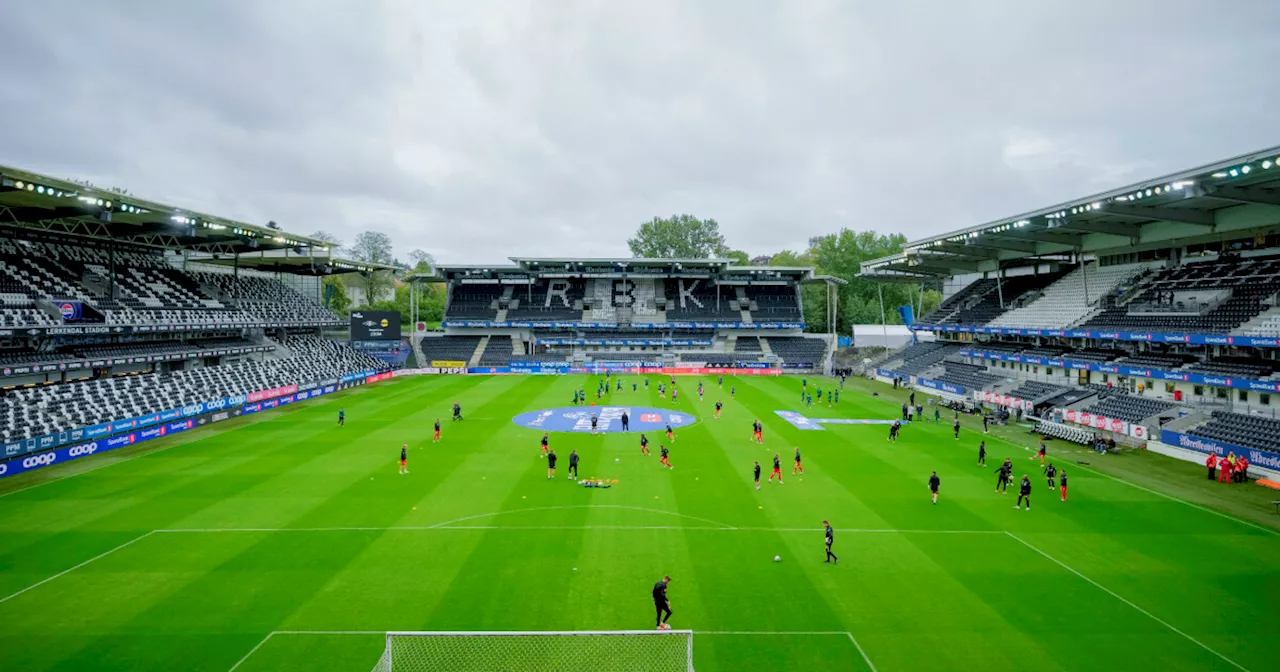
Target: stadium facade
<point x="124" y="319"/>
<point x="1148" y="314"/>
<point x="672" y="315"/>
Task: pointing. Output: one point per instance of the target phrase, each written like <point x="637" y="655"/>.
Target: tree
<point x="678" y="237"/>
<point x="739" y="258"/>
<point x="373" y="247"/>
<point x="423" y="261"/>
<point x="841" y="255"/>
<point x="335" y="295"/>
<point x="326" y="237"/>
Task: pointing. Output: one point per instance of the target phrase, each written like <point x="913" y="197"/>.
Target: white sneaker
<point x="1018" y="507"/>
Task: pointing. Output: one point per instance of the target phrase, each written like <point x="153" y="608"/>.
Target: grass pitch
<point x="191" y="553"/>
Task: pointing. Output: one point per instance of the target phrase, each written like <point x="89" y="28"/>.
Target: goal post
<point x="565" y="651"/>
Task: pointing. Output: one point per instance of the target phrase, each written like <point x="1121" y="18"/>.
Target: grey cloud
<point x="485" y="129"/>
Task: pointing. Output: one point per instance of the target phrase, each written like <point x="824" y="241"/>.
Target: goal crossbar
<point x="538" y="651"/>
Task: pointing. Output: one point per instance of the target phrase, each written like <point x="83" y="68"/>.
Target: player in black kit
<point x="756" y="471"/>
<point x="831" y="539"/>
<point x="1050" y="472"/>
<point x="982" y="454"/>
<point x="551" y="464"/>
<point x="1006" y="473"/>
<point x="661" y="603"/>
<point x="573" y="464"/>
<point x="956" y="428"/>
<point x="1024" y="492"/>
<point x="934" y="482"/>
<point x="644" y="445"/>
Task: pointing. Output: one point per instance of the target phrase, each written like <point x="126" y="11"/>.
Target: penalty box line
<point x="741" y="633"/>
<point x="1112" y="593"/>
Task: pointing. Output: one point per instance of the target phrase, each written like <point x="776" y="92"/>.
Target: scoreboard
<point x="375" y="325"/>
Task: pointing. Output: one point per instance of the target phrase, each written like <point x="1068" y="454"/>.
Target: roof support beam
<point x="1005" y="243"/>
<point x="969" y="250"/>
<point x="1197" y="217"/>
<point x="1042" y="236"/>
<point x="944" y="264"/>
<point x="1122" y="230"/>
<point x="1243" y="194"/>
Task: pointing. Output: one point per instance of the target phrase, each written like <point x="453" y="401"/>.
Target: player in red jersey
<point x="797" y="469"/>
<point x="666" y="462"/>
<point x="671" y="436"/>
<point x="719" y="406"/>
<point x="644" y="445"/>
<point x="546" y="445"/>
<point x="777" y="469"/>
<point x="404" y="459"/>
<point x="436" y="439"/>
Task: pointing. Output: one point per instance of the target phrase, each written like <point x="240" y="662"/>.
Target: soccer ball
<point x="617" y="459"/>
<point x="777" y="558"/>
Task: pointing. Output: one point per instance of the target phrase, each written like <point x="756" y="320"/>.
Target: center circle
<point x="608" y="419"/>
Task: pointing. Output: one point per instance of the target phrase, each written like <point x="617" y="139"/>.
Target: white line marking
<point x="1158" y="493"/>
<point x="773" y="632"/>
<point x="431" y="528"/>
<point x="68" y="571"/>
<point x="864" y="653"/>
<point x="251" y="652"/>
<point x="330" y="632"/>
<point x="1118" y="597"/>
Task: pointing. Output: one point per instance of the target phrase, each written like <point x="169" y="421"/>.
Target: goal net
<point x="597" y="651"/>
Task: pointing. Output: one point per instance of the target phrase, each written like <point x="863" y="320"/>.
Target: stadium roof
<point x="39" y="202"/>
<point x="288" y="261"/>
<point x="595" y="267"/>
<point x="1230" y="199"/>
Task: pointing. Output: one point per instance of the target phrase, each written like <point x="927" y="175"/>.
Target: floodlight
<point x="1245" y="169"/>
<point x="31" y="187"/>
<point x="1233" y="173"/>
<point x="18" y="184"/>
<point x="1266" y="164"/>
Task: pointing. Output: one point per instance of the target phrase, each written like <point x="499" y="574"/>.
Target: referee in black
<point x="660" y="601"/>
<point x="831" y="538"/>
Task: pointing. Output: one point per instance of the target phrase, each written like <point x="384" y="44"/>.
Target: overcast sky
<point x="480" y="130"/>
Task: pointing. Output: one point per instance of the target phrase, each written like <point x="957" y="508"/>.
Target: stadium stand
<point x="450" y="348"/>
<point x="1128" y="407"/>
<point x="1071" y="298"/>
<point x="700" y="302"/>
<point x="968" y="376"/>
<point x="1034" y="389"/>
<point x="1203" y="297"/>
<point x="798" y="349"/>
<point x="59" y="408"/>
<point x="1243" y="430"/>
<point x="773" y="303"/>
<point x="985" y="300"/>
<point x="549" y="300"/>
<point x="1250" y="367"/>
<point x="474" y="301"/>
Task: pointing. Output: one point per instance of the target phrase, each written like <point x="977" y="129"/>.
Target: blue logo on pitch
<point x="608" y="419"/>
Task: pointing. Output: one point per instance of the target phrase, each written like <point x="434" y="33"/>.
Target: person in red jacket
<point x="1211" y="464"/>
<point x="1243" y="469"/>
<point x="1224" y="468"/>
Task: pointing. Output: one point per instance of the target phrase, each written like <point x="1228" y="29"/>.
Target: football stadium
<point x="206" y="467"/>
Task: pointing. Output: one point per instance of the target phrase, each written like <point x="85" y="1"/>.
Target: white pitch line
<point x="251" y="651"/>
<point x="1157" y="492"/>
<point x="1112" y="593"/>
<point x="431" y="528"/>
<point x="864" y="653"/>
<point x="72" y="569"/>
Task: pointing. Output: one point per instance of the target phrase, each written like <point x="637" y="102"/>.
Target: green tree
<point x="678" y="237"/>
<point x="738" y="257"/>
<point x="335" y="293"/>
<point x="840" y="255"/>
<point x="373" y="247"/>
